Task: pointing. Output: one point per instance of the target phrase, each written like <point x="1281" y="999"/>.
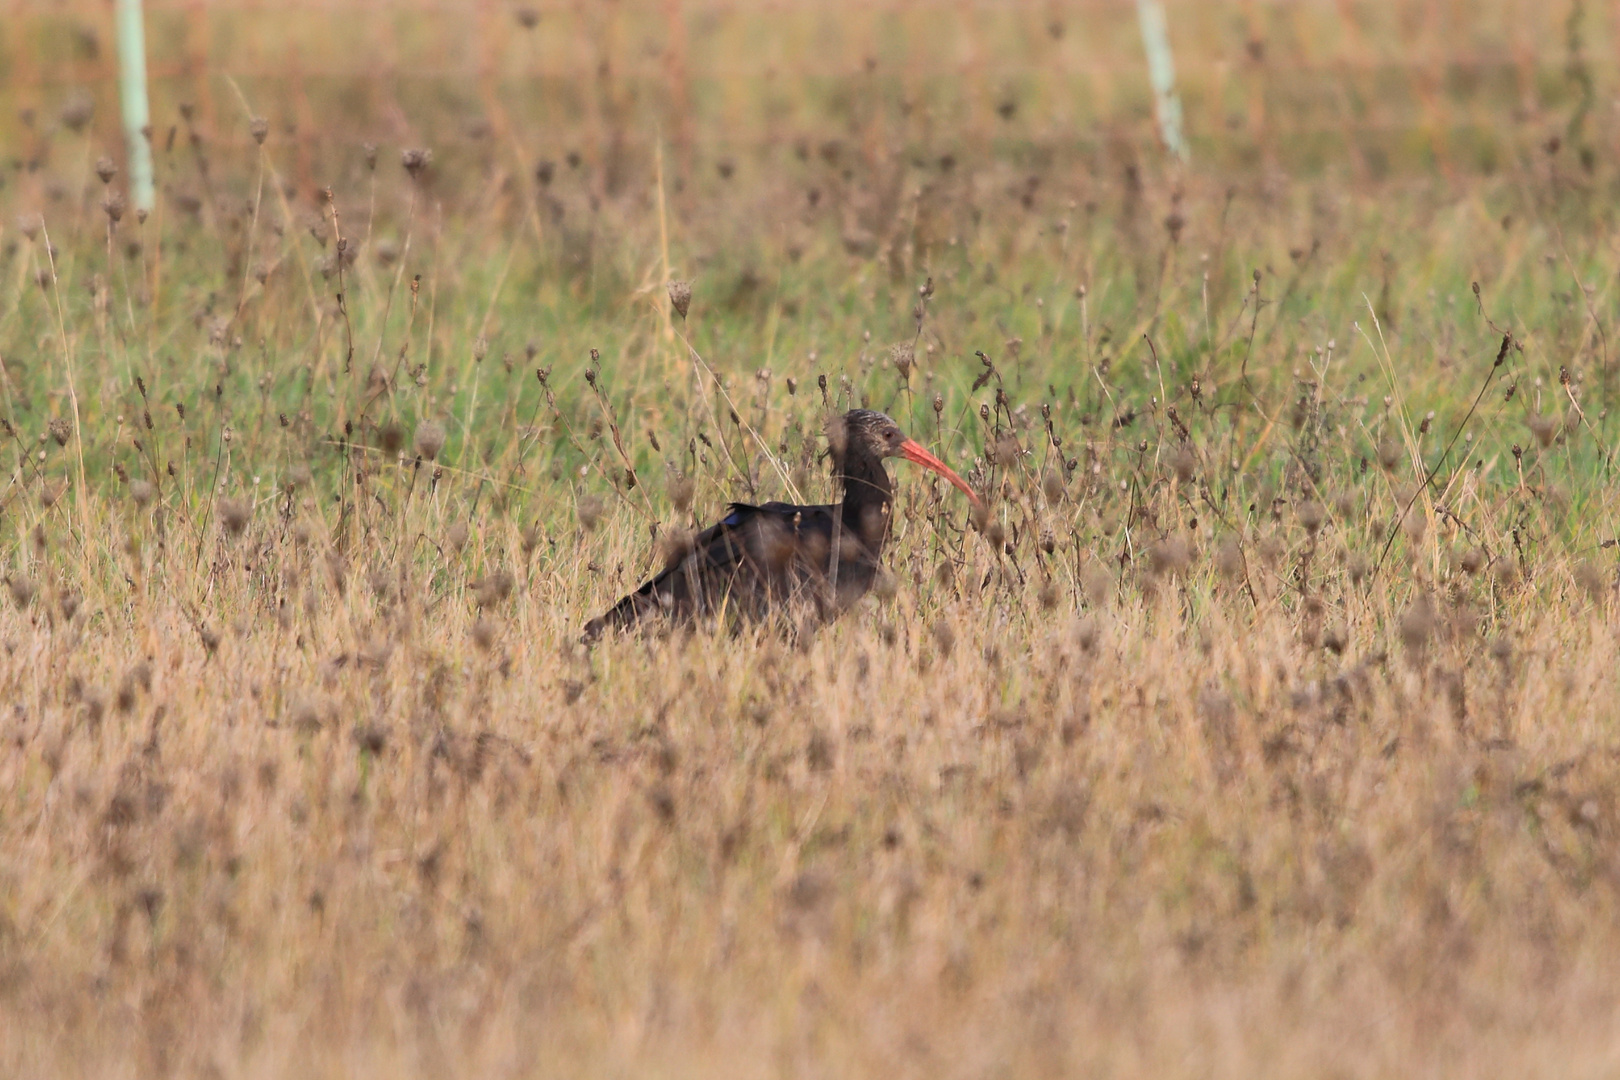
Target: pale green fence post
<point x="132" y="91"/>
<point x="1162" y="73"/>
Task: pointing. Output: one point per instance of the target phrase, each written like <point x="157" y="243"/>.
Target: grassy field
<point x="1270" y="725"/>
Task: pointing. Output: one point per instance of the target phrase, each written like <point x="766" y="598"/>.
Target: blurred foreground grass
<point x="1269" y="726"/>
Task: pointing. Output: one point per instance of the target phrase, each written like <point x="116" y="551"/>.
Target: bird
<point x="760" y="560"/>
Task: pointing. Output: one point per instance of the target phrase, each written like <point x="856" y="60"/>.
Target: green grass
<point x="1265" y="726"/>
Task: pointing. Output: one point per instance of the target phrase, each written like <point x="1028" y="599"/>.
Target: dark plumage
<point x="758" y="559"/>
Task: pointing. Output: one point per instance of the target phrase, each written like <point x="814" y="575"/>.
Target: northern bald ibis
<point x="760" y="559"/>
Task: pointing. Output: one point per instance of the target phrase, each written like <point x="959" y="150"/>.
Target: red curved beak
<point x="912" y="450"/>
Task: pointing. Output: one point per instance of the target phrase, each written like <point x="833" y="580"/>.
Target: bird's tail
<point x="628" y="611"/>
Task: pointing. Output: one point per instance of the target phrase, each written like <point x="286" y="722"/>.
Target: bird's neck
<point x="868" y="491"/>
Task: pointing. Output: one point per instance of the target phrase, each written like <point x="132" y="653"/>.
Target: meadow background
<point x="1267" y="726"/>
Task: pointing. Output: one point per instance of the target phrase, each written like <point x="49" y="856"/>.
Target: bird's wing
<point x="751" y="557"/>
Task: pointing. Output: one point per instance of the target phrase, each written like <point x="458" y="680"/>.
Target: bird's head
<point x="874" y="435"/>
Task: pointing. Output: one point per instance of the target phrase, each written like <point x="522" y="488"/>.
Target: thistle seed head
<point x="680" y="297"/>
<point x="77" y="111"/>
<point x="429" y="439"/>
<point x="1417" y="624"/>
<point x="904" y="358"/>
<point x="1053" y="486"/>
<point x="493" y="589"/>
<point x="590" y="512"/>
<point x="1311" y="515"/>
<point x="681" y="490"/>
<point x="416" y="161"/>
<point x="234" y="515"/>
<point x="22" y="590"/>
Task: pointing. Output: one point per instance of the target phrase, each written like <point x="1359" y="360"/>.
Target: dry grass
<point x="1268" y="726"/>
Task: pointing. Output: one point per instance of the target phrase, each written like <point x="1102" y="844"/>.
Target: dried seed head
<point x="77" y="111"/>
<point x="22" y="590"/>
<point x="680" y="296"/>
<point x="61" y="430"/>
<point x="1507" y="570"/>
<point x="590" y="512"/>
<point x="390" y="438"/>
<point x="456" y="535"/>
<point x="1006" y="451"/>
<point x="904" y="358"/>
<point x="112" y="204"/>
<point x="1311" y="515"/>
<point x="1592" y="579"/>
<point x="527" y="17"/>
<point x="105" y="169"/>
<point x="1415" y="523"/>
<point x="381" y="582"/>
<point x="1098" y="584"/>
<point x="415" y="161"/>
<point x="676" y="545"/>
<point x="1358" y="568"/>
<point x="429" y="439"/>
<point x="142" y="492"/>
<point x="234" y="515"/>
<point x="1086" y="633"/>
<point x="1185" y="464"/>
<point x="259" y="128"/>
<point x="493" y="589"/>
<point x="296" y="476"/>
<point x="303" y="717"/>
<point x="1389" y="454"/>
<point x="979" y="516"/>
<point x="1544" y="428"/>
<point x="681" y="490"/>
<point x="372" y="738"/>
<point x="1472" y="561"/>
<point x="1053" y="486"/>
<point x="1417" y="624"/>
<point x="884" y="586"/>
<point x="1169" y="556"/>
